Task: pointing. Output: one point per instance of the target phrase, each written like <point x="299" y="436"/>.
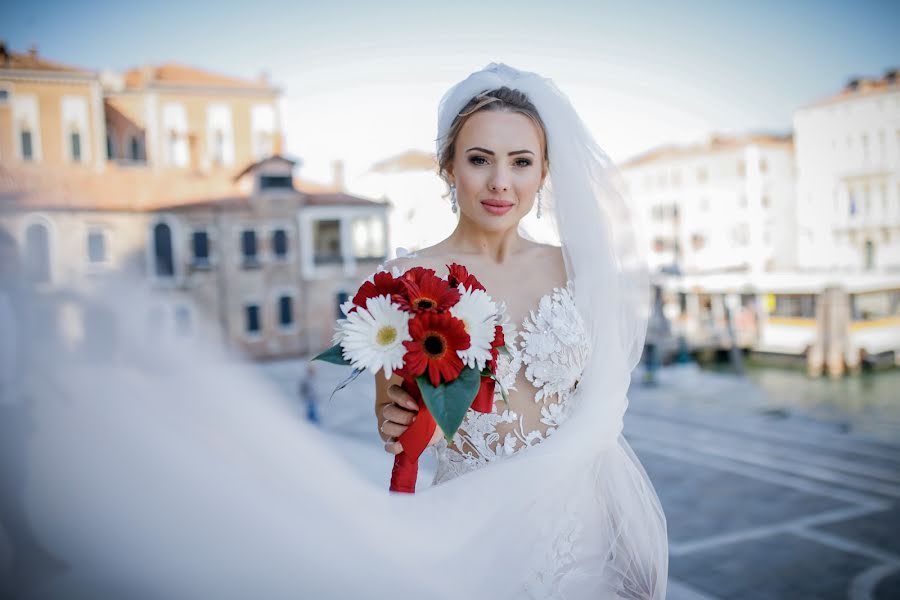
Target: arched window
<point x="37" y="253"/>
<point x="163" y="258"/>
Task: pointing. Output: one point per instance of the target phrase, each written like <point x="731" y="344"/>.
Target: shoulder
<point x="405" y="260"/>
<point x="549" y="258"/>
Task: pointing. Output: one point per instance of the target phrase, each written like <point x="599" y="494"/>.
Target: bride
<point x="176" y="472"/>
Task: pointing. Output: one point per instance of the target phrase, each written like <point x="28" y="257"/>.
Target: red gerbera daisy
<point x="426" y="293"/>
<point x="495" y="345"/>
<point x="436" y="337"/>
<point x="384" y="283"/>
<point x="460" y="276"/>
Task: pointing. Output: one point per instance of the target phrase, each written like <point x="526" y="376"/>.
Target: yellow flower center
<point x="386" y="335"/>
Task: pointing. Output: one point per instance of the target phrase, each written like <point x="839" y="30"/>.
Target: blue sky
<point x="362" y="80"/>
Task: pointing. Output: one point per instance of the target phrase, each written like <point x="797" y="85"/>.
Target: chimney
<point x="337" y="169"/>
<point x="852" y="84"/>
<point x="32" y="52"/>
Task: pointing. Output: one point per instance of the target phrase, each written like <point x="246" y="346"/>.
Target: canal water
<point x="867" y="403"/>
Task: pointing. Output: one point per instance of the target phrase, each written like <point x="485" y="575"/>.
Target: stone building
<point x="721" y="206"/>
<point x="848" y="177"/>
<point x="172" y="176"/>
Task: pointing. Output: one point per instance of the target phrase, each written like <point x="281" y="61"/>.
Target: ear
<point x="449" y="175"/>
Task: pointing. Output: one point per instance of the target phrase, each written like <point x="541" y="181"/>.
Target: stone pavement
<point x="761" y="504"/>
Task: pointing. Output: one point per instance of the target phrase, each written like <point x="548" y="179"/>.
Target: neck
<point x="496" y="246"/>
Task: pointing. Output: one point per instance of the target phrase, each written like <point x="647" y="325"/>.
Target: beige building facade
<point x="179" y="188"/>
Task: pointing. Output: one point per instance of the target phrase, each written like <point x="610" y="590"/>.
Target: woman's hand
<point x="397" y="417"/>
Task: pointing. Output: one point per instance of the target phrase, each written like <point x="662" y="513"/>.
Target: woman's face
<point x="497" y="168"/>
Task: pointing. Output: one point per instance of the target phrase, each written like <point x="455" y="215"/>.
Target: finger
<point x="394" y="447"/>
<point x="398" y="395"/>
<point x="393" y="429"/>
<point x="394" y="413"/>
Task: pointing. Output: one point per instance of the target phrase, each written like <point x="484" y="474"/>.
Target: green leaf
<point x="449" y="402"/>
<point x="333" y="355"/>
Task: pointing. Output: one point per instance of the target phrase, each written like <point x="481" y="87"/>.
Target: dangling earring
<point x="453" y="198"/>
<point x="540" y="194"/>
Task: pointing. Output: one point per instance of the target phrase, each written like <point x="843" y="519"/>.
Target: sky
<point x="362" y="81"/>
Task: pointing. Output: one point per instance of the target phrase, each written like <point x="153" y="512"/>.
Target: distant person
<point x="308" y="394"/>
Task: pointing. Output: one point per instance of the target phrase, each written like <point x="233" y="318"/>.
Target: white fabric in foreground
<point x="176" y="470"/>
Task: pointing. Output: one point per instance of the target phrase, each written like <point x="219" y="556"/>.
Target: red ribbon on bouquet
<point x="416" y="437"/>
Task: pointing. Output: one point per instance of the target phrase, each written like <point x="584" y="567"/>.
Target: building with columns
<point x="848" y="178"/>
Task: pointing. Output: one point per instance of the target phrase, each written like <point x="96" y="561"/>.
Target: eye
<point x="523" y="162"/>
<point x="474" y="160"/>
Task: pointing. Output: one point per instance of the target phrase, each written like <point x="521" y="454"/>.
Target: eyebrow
<point x="491" y="152"/>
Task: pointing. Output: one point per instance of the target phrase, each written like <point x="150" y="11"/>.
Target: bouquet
<point x="442" y="336"/>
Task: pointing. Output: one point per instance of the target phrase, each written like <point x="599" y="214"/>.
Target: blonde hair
<point x="502" y="98"/>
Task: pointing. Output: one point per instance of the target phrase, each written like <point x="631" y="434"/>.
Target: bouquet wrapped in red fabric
<point x="442" y="336"/>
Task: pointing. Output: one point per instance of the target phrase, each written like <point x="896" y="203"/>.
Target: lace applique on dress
<point x="554" y="350"/>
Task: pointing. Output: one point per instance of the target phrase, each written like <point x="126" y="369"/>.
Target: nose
<point x="499" y="181"/>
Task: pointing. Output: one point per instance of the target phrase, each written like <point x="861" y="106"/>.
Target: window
<point x="96" y="246"/>
<point x="795" y="306"/>
<point x="200" y="249"/>
<point x="280" y="244"/>
<point x="368" y="238"/>
<point x="285" y="311"/>
<point x="27" y="150"/>
<point x="327" y="241"/>
<point x="869" y="255"/>
<point x="4" y="96"/>
<point x="248" y="248"/>
<point x="276" y="182"/>
<point x="110" y="151"/>
<point x="75" y="144"/>
<point x="251" y="319"/>
<point x="134" y="149"/>
<point x="218" y="147"/>
<point x="164" y="263"/>
<point x="37" y="253"/>
<point x="875" y="305"/>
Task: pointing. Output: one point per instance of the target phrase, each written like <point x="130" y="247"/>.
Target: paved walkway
<point x="760" y="504"/>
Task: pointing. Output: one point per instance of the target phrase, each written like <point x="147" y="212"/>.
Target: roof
<point x="117" y="188"/>
<point x="178" y="75"/>
<point x="339" y="198"/>
<point x="717" y="143"/>
<point x="30" y="61"/>
<point x="411" y="160"/>
<point x="135" y="189"/>
<point x="858" y="87"/>
<point x="271" y="159"/>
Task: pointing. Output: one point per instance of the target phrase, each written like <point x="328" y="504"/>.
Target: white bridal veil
<point x="172" y="472"/>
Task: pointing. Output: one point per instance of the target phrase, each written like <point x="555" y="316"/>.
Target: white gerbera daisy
<point x="479" y="315"/>
<point x="372" y="338"/>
